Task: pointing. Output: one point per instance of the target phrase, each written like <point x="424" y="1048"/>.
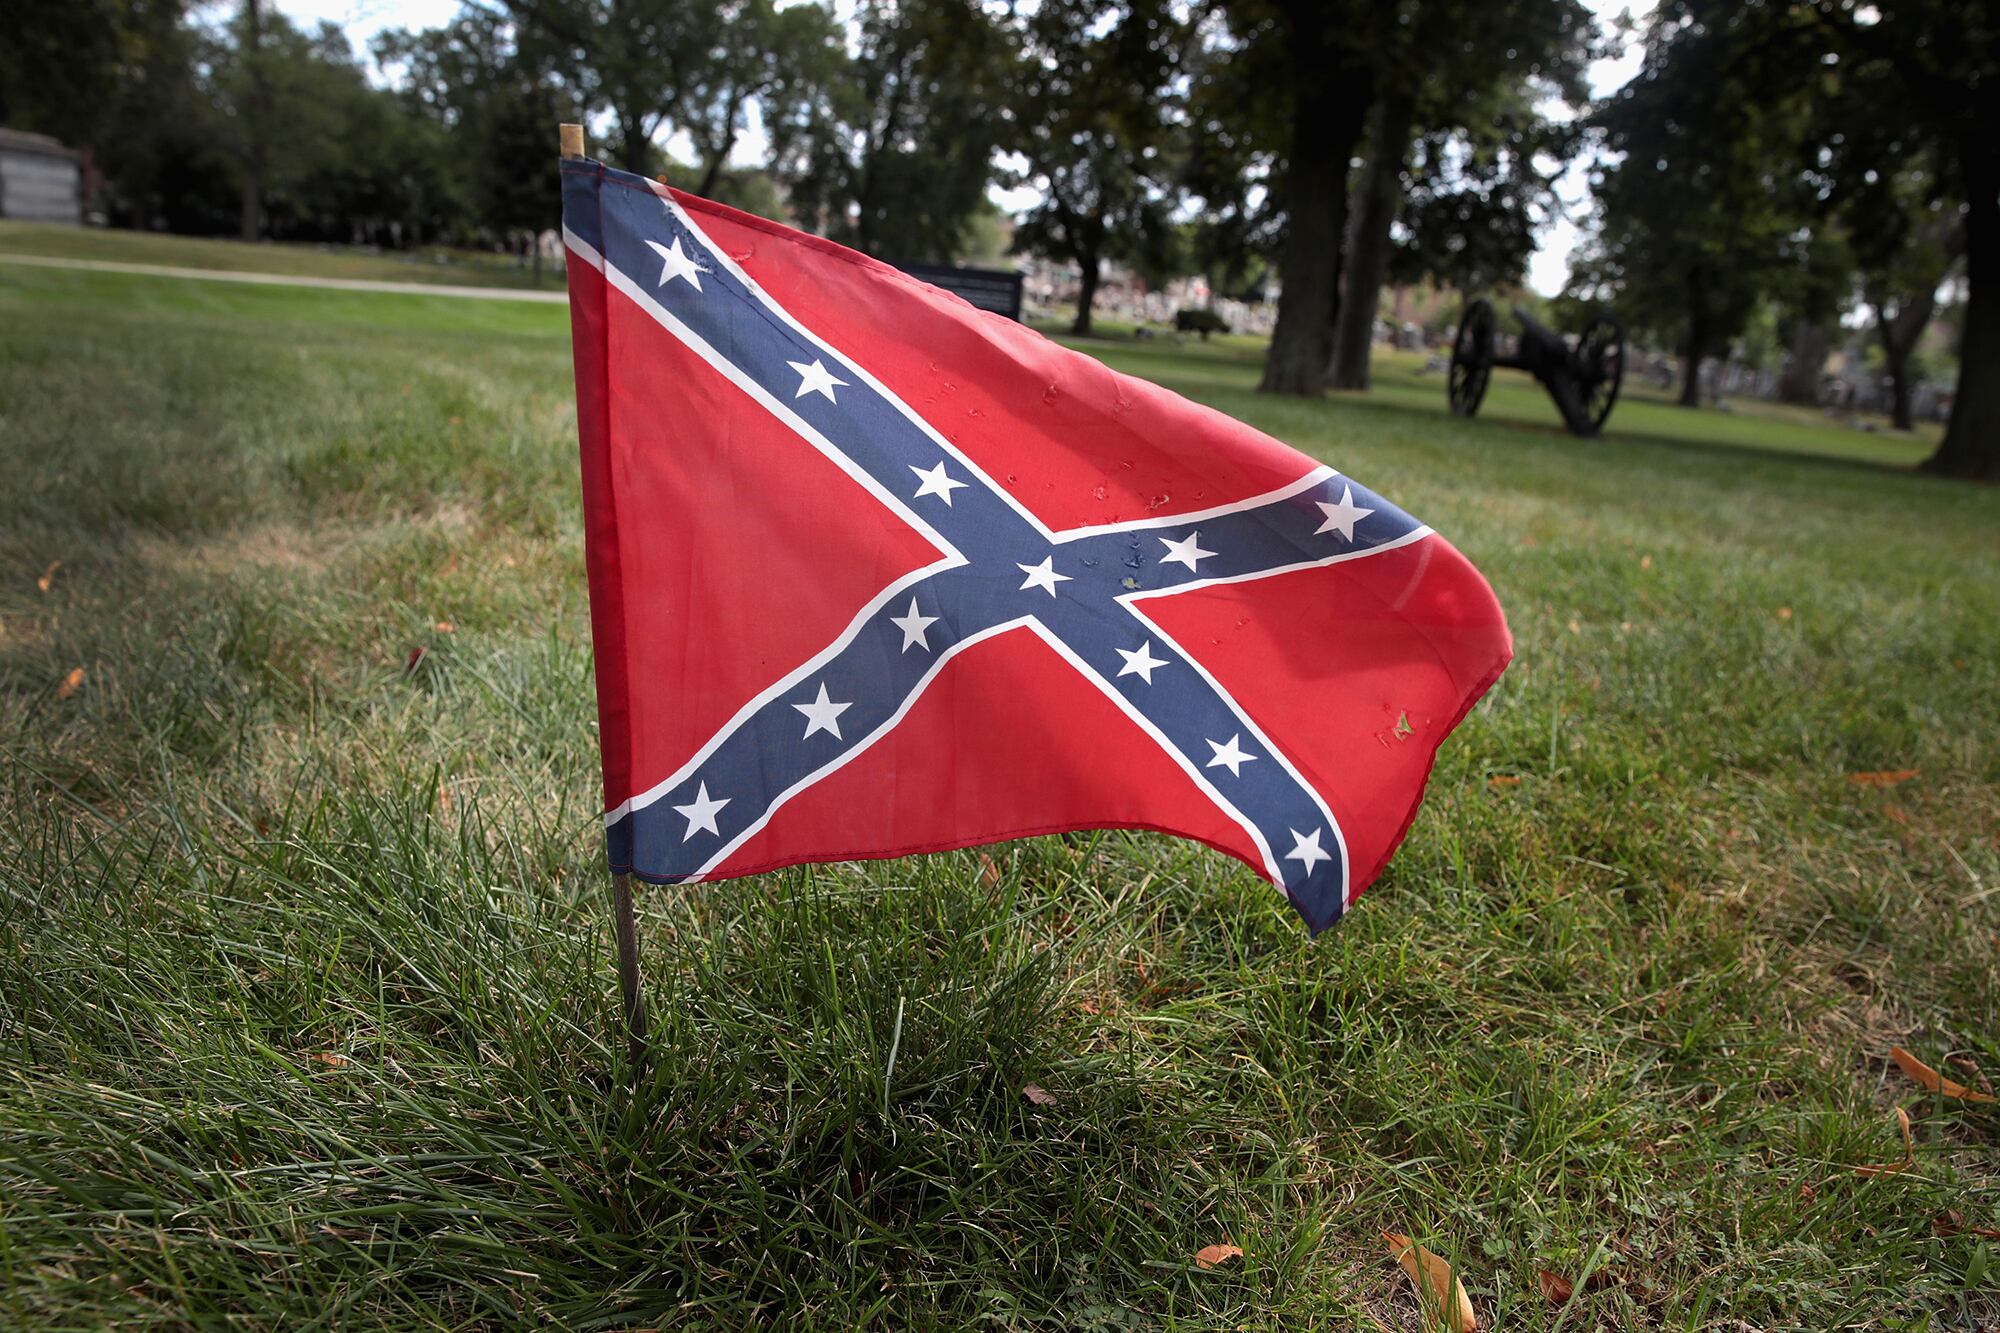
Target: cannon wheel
<point x="1600" y="353"/>
<point x="1471" y="359"/>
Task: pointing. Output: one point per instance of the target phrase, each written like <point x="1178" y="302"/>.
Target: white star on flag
<point x="1141" y="663"/>
<point x="935" y="483"/>
<point x="815" y="378"/>
<point x="1233" y="756"/>
<point x="823" y="714"/>
<point x="678" y="264"/>
<point x="1185" y="552"/>
<point x="1342" y="517"/>
<point x="700" y="814"/>
<point x="915" y="627"/>
<point x="1308" y="850"/>
<point x="1042" y="576"/>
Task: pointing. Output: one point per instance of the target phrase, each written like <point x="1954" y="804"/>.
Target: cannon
<point x="1583" y="378"/>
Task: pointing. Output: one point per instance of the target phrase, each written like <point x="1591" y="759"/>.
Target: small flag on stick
<point x="873" y="572"/>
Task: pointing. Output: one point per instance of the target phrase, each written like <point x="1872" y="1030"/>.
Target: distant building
<point x="40" y="180"/>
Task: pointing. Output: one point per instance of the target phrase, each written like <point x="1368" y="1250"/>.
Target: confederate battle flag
<point x="873" y="572"/>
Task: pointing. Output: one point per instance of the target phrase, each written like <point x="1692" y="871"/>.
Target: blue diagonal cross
<point x="1001" y="570"/>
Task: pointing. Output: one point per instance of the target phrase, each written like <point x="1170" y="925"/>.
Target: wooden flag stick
<point x="626" y="926"/>
<point x="624" y="922"/>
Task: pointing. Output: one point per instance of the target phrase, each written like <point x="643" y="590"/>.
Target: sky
<point x="1547" y="268"/>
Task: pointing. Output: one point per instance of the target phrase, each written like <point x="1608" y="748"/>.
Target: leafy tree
<point x="1097" y="114"/>
<point x="1473" y="193"/>
<point x="895" y="158"/>
<point x="660" y="66"/>
<point x="1703" y="201"/>
<point x="1316" y="80"/>
<point x="1470" y="207"/>
<point x="117" y="77"/>
<point x="1907" y="240"/>
<point x="1934" y="66"/>
<point x="494" y="108"/>
<point x="1228" y="162"/>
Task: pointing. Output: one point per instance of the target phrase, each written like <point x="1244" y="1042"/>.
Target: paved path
<point x="288" y="280"/>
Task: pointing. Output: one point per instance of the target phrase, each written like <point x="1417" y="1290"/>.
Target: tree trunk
<point x="1897" y="343"/>
<point x="1380" y="196"/>
<point x="1690" y="376"/>
<point x="1800" y="382"/>
<point x="1971" y="446"/>
<point x="1695" y="347"/>
<point x="1086" y="296"/>
<point x="253" y="129"/>
<point x="1330" y="108"/>
<point x="632" y="139"/>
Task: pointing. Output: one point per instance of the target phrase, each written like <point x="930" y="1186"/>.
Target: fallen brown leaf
<point x="1038" y="1094"/>
<point x="1893" y="777"/>
<point x="989" y="873"/>
<point x="1909" y="1152"/>
<point x="330" y="1059"/>
<point x="1951" y="1222"/>
<point x="70" y="684"/>
<point x="1438" y="1291"/>
<point x="1931" y="1079"/>
<point x="48" y="578"/>
<point x="1784" y="613"/>
<point x="1645" y="562"/>
<point x="1556" y="1289"/>
<point x="1503" y="780"/>
<point x="1208" y="1256"/>
<point x="446" y="627"/>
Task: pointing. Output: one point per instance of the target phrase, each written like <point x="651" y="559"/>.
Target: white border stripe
<point x="894" y="401"/>
<point x="1346" y="866"/>
<point x="729" y="371"/>
<point x="582" y="249"/>
<point x="1305" y="483"/>
<point x="841" y="761"/>
<point x="778" y="687"/>
<point x="1159" y="738"/>
<point x="1415" y="534"/>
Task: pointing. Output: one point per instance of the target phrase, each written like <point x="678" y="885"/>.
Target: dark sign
<point x="988" y="288"/>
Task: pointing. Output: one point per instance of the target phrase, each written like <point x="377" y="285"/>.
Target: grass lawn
<point x="440" y="267"/>
<point x="306" y="993"/>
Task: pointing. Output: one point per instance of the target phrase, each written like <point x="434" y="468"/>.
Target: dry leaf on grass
<point x="1784" y="613"/>
<point x="989" y="873"/>
<point x="1951" y="1222"/>
<point x="70" y="684"/>
<point x="1909" y="1152"/>
<point x="1931" y="1079"/>
<point x="48" y="578"/>
<point x="1039" y="1095"/>
<point x="1208" y="1256"/>
<point x="330" y="1059"/>
<point x="1440" y="1293"/>
<point x="1503" y="780"/>
<point x="1556" y="1289"/>
<point x="1892" y="777"/>
<point x="446" y="627"/>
